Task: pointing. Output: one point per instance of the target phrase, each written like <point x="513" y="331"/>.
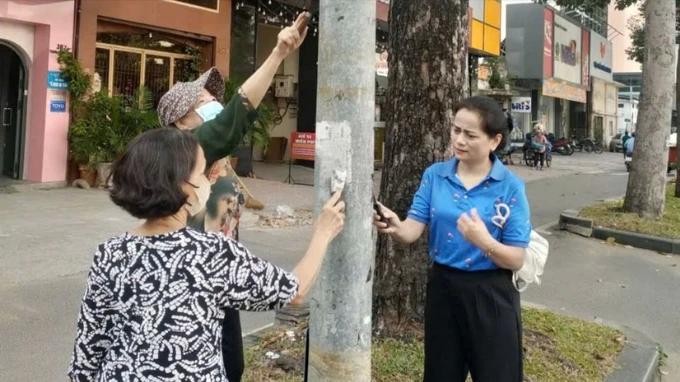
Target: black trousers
<point x="232" y="345"/>
<point x="472" y="324"/>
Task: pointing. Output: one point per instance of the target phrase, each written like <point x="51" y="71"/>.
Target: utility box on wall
<point x="283" y="87"/>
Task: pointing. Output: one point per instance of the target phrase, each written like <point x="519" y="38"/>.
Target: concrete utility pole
<point x="340" y="321"/>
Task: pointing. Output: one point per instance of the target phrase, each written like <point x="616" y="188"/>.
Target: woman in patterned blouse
<point x="156" y="295"/>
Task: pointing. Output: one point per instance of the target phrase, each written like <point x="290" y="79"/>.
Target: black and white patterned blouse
<point x="154" y="305"/>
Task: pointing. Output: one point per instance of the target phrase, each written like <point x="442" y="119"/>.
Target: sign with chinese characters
<point x="302" y="146"/>
<point x="56" y="81"/>
<point x="520" y="105"/>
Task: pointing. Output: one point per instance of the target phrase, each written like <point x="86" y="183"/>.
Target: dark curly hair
<point x="147" y="179"/>
<point x="494" y="121"/>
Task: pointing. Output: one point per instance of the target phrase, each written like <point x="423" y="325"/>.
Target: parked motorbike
<point x="561" y="146"/>
<point x="586" y="144"/>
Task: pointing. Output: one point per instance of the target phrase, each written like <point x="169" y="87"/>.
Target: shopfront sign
<point x="520" y="105"/>
<point x="57" y="106"/>
<point x="56" y="81"/>
<point x="381" y="64"/>
<point x="562" y="89"/>
<point x="567" y="50"/>
<point x="600" y="57"/>
<point x="548" y="20"/>
<point x="302" y="146"/>
<point x="585" y="58"/>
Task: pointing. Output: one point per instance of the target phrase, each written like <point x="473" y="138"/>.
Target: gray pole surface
<point x="340" y="321"/>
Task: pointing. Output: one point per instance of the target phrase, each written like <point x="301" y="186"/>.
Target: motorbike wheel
<point x="597" y="149"/>
<point x="588" y="148"/>
<point x="570" y="150"/>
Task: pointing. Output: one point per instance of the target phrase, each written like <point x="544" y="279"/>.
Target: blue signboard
<point x="55" y="81"/>
<point x="58" y="106"/>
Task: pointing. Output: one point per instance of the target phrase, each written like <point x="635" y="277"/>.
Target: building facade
<point x="567" y="67"/>
<point x="152" y="43"/>
<point x="548" y="55"/>
<point x="33" y="98"/>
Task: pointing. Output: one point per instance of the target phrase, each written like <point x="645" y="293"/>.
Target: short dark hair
<point x="493" y="119"/>
<point x="147" y="179"/>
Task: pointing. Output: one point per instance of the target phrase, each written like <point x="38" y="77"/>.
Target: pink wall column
<point x="46" y="132"/>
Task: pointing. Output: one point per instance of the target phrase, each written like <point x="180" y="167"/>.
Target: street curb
<point x="571" y="222"/>
<point x="638" y="361"/>
<point x="31" y="186"/>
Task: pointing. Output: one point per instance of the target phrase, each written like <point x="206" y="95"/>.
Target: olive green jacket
<point x="220" y="136"/>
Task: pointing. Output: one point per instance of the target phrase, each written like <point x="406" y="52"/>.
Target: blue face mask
<point x="209" y="111"/>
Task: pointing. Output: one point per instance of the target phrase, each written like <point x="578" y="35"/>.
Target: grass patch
<point x="556" y="348"/>
<point x="611" y="214"/>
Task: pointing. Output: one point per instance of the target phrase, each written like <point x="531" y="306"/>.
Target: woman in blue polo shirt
<point x="478" y="221"/>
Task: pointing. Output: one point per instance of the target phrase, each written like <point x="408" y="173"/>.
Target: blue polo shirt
<point x="442" y="198"/>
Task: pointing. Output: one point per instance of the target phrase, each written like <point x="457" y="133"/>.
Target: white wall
<point x="627" y="115"/>
<point x="20" y="34"/>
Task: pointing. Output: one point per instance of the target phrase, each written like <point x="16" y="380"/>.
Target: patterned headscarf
<point x="177" y="102"/>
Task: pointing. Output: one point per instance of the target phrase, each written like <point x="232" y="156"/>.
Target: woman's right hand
<point x="331" y="220"/>
<point x="391" y="223"/>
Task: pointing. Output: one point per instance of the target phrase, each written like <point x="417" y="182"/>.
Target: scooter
<point x="561" y="146"/>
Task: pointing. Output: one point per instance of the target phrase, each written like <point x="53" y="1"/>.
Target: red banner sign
<point x="548" y="36"/>
<point x="302" y="146"/>
<point x="585" y="58"/>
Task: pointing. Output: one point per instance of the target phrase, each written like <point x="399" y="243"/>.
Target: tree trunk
<point x="645" y="194"/>
<point x="427" y="77"/>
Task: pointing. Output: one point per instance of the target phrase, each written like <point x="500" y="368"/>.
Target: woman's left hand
<point x="473" y="229"/>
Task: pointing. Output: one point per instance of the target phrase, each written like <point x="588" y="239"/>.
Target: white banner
<point x="520" y="105"/>
<point x="600" y="57"/>
<point x="567" y="51"/>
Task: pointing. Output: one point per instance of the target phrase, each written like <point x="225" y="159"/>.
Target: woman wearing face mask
<point x="156" y="295"/>
<point x="477" y="216"/>
<point x="195" y="106"/>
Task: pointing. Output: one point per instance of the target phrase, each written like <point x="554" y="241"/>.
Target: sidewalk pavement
<point x="578" y="163"/>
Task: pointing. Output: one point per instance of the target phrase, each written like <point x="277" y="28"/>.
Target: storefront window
<point x="127" y="73"/>
<point x="101" y="65"/>
<point x="157" y="76"/>
<point x="126" y="69"/>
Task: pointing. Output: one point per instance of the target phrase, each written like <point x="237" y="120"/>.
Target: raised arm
<point x="288" y="40"/>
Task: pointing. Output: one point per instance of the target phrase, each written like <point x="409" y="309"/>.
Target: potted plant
<point x="106" y="127"/>
<point x="83" y="150"/>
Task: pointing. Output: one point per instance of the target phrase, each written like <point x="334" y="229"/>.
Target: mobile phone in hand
<point x="377" y="209"/>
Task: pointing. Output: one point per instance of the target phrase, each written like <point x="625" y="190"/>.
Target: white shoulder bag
<point x="534" y="261"/>
<point x="535" y="256"/>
